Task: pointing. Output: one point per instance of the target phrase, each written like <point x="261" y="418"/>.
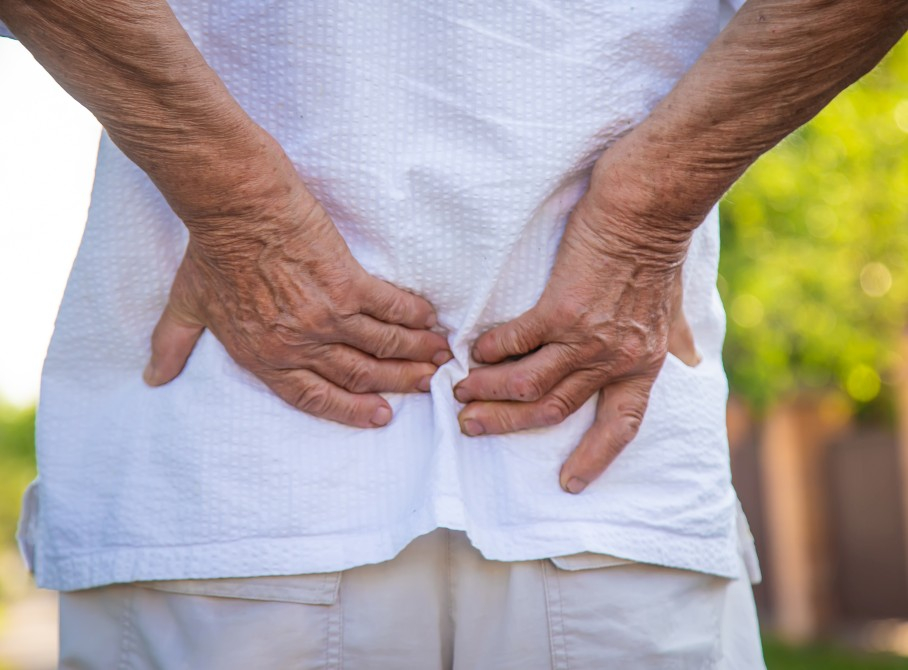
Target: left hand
<point x="610" y="311"/>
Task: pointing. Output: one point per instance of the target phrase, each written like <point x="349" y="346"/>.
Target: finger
<point x="514" y="338"/>
<point x="495" y="418"/>
<point x="357" y="372"/>
<point x="619" y="414"/>
<point x="525" y="380"/>
<point x="681" y="341"/>
<point x="390" y="304"/>
<point x="309" y="393"/>
<point x="172" y="342"/>
<point x="680" y="336"/>
<point x="384" y="340"/>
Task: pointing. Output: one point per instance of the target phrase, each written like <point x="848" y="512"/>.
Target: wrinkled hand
<point x="288" y="301"/>
<point x="603" y="324"/>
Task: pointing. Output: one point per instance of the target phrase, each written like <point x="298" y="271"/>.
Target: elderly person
<point x="427" y="258"/>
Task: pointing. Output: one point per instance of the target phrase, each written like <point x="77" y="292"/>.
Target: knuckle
<point x="335" y="280"/>
<point x="524" y="386"/>
<point x="317" y="322"/>
<point x="517" y="339"/>
<point x="268" y="353"/>
<point x="357" y="378"/>
<point x="390" y="303"/>
<point x="398" y="307"/>
<point x="631" y="352"/>
<point x="312" y="399"/>
<point x="628" y="429"/>
<point x="570" y="310"/>
<point x="554" y="410"/>
<point x="502" y="419"/>
<point x="281" y="333"/>
<point x="628" y="424"/>
<point x="387" y="344"/>
<point x="348" y="303"/>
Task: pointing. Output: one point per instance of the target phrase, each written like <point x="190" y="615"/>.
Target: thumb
<point x="173" y="339"/>
<point x="681" y="342"/>
<point x="680" y="336"/>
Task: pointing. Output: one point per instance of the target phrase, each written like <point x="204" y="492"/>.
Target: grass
<point x="17" y="464"/>
<point x="829" y="656"/>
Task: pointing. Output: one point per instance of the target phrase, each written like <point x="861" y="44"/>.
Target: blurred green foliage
<point x="17" y="464"/>
<point x="781" y="656"/>
<point x="814" y="269"/>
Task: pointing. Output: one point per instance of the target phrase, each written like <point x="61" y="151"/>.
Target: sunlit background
<point x="47" y="149"/>
<point x="814" y="275"/>
<point x="48" y="145"/>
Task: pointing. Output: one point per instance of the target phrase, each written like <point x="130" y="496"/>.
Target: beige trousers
<point x="438" y="605"/>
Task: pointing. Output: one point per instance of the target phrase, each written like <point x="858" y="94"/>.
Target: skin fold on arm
<point x="602" y="324"/>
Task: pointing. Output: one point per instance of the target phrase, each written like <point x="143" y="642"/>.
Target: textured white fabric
<point x="449" y="142"/>
<point x="438" y="605"/>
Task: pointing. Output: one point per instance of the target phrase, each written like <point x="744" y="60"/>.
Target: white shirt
<point x="448" y="141"/>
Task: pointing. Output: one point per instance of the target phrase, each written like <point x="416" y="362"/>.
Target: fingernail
<point x="148" y="374"/>
<point x="461" y="394"/>
<point x="442" y="357"/>
<point x="472" y="427"/>
<point x="425" y="383"/>
<point x="477" y="356"/>
<point x="575" y="485"/>
<point x="381" y="417"/>
<point x="431" y="321"/>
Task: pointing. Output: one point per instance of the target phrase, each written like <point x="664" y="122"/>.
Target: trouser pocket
<point x="258" y="622"/>
<point x="604" y="614"/>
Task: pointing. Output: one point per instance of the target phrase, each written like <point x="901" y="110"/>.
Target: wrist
<point x="639" y="211"/>
<point x="229" y="172"/>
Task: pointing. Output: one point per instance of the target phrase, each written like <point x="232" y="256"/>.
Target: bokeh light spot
<point x="876" y="280"/>
<point x="747" y="311"/>
<point x="863" y="383"/>
<point x="821" y="220"/>
<point x="901" y="116"/>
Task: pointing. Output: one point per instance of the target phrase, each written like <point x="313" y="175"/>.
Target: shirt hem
<point x="291" y="556"/>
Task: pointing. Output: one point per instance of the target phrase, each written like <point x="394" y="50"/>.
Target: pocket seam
<point x="588" y="561"/>
<point x="555" y="611"/>
<point x="309" y="589"/>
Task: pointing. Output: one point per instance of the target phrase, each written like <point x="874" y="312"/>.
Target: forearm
<point x="776" y="65"/>
<point x="136" y="69"/>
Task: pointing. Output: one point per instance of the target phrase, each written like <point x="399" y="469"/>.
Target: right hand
<point x="283" y="294"/>
<point x="610" y="312"/>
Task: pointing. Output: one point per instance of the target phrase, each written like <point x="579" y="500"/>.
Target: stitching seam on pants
<point x="335" y="634"/>
<point x="127" y="638"/>
<point x="449" y="578"/>
<point x="555" y="612"/>
<point x="716" y="656"/>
